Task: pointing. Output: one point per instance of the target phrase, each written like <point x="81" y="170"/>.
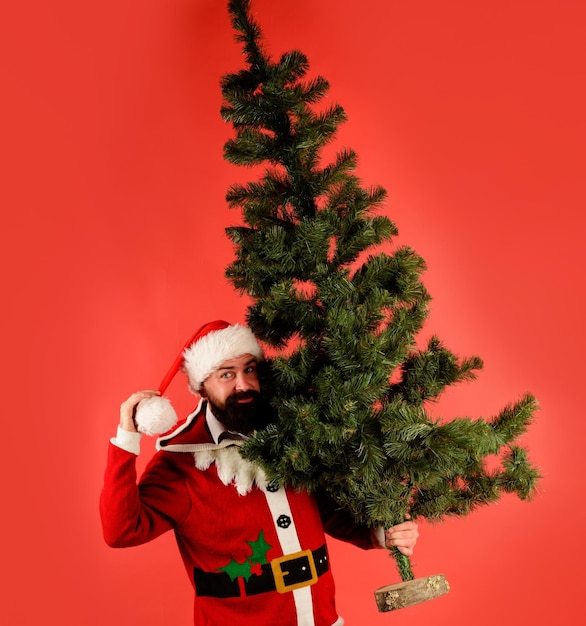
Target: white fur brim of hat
<point x="206" y="355"/>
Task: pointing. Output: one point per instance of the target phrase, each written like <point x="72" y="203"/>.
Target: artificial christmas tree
<point x="349" y="385"/>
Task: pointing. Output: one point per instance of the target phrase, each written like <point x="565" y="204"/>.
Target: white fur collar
<point x="232" y="468"/>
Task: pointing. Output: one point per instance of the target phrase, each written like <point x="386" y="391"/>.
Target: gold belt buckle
<point x="279" y="565"/>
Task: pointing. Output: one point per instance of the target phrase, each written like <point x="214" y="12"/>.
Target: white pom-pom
<point x="155" y="416"/>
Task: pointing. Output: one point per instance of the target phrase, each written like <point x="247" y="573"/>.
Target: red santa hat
<point x="211" y="345"/>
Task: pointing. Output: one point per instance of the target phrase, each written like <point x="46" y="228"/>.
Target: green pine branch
<point x="342" y="307"/>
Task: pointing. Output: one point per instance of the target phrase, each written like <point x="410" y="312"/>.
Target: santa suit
<point x="255" y="554"/>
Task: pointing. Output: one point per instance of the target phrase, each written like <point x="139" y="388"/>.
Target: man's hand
<point x="403" y="537"/>
<point x="128" y="408"/>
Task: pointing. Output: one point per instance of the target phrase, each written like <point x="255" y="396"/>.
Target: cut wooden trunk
<point x="401" y="595"/>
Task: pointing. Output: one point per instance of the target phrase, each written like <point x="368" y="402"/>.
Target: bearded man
<point x="254" y="552"/>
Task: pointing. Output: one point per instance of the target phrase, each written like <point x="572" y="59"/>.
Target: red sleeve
<point x="133" y="514"/>
<point x="338" y="523"/>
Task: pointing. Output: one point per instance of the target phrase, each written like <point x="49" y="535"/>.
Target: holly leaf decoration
<point x="235" y="569"/>
<point x="260" y="549"/>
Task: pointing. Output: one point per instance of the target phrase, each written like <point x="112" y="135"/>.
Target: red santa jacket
<point x="255" y="554"/>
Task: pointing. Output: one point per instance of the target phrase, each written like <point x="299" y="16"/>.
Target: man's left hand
<point x="403" y="537"/>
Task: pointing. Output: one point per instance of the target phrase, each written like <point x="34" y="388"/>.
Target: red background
<point x="471" y="114"/>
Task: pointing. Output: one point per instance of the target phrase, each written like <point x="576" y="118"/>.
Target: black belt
<point x="281" y="574"/>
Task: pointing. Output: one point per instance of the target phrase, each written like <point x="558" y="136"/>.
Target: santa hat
<point x="210" y="346"/>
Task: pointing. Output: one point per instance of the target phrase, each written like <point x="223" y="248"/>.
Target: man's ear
<point x="202" y="392"/>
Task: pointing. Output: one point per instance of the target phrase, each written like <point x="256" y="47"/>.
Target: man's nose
<point x="242" y="383"/>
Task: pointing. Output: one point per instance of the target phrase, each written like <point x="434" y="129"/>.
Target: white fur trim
<point x="205" y="355"/>
<point x="127" y="440"/>
<point x="278" y="503"/>
<point x="155" y="416"/>
<point x="232" y="468"/>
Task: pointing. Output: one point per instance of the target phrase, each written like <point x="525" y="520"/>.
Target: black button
<point x="283" y="521"/>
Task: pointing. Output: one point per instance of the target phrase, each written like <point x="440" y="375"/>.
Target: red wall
<point x="471" y="114"/>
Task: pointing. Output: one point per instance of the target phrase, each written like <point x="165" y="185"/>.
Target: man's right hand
<point x="128" y="408"/>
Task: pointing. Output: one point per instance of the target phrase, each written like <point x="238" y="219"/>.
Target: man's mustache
<point x="244" y="395"/>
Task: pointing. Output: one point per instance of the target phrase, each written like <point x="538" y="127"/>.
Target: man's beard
<point x="242" y="417"/>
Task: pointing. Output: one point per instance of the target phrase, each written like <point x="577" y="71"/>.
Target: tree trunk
<point x="408" y="593"/>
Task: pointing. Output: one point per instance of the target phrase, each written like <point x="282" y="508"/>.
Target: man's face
<point x="233" y="392"/>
